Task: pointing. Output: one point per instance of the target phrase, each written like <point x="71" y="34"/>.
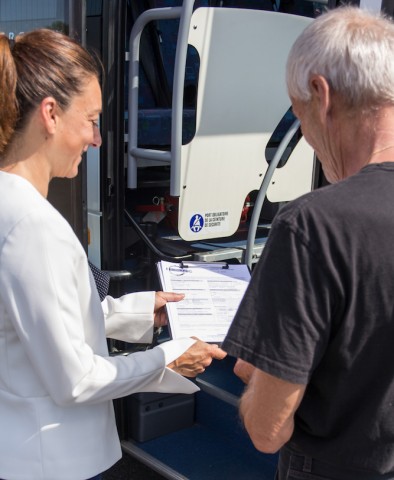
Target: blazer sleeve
<point x="48" y="298"/>
<point x="130" y="318"/>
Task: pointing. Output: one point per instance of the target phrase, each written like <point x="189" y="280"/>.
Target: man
<point x="315" y="331"/>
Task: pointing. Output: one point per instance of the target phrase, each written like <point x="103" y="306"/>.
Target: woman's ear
<point x="49" y="113"/>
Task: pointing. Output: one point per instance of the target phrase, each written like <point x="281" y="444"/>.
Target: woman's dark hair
<point x="42" y="63"/>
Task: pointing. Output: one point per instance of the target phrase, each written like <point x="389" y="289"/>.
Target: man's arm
<point x="267" y="408"/>
<point x="244" y="370"/>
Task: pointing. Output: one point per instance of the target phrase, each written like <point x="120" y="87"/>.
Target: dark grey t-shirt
<point x="320" y="311"/>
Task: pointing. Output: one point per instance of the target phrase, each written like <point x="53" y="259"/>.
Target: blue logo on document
<point x="196" y="223"/>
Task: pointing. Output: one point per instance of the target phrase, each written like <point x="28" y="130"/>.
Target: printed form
<point x="213" y="292"/>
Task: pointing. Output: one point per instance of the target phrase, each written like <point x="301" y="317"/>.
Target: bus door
<point x="67" y="16"/>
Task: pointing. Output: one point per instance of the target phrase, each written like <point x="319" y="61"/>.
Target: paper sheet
<point x="212" y="291"/>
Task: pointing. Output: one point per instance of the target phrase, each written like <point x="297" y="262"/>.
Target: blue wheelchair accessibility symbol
<point x="196" y="223"/>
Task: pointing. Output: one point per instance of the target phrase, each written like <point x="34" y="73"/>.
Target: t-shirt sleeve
<point x="283" y="323"/>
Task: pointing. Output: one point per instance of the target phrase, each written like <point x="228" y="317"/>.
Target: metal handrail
<point x="258" y="205"/>
<point x="174" y="156"/>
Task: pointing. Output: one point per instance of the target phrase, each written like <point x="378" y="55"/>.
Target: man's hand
<point x="196" y="359"/>
<point x="161" y="299"/>
<point x="243" y="370"/>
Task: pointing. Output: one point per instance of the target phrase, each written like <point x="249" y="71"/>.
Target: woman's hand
<point x="195" y="360"/>
<point x="161" y="299"/>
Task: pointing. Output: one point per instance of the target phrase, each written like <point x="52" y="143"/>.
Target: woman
<point x="56" y="377"/>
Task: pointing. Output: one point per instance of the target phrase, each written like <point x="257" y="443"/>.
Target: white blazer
<point x="57" y="380"/>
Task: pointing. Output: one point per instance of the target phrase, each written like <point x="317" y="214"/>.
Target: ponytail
<point x="8" y="102"/>
<point x="42" y="63"/>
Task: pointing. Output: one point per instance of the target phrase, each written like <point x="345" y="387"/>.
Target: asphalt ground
<point x="128" y="468"/>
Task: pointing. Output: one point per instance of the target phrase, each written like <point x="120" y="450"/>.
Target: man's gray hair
<point x="353" y="49"/>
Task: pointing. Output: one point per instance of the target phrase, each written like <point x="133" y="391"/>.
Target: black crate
<point x="152" y="415"/>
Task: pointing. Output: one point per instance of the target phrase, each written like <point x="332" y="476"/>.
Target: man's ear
<point x="49" y="113"/>
<point x="321" y="94"/>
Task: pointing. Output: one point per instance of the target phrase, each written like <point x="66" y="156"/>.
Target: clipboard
<point x="213" y="292"/>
